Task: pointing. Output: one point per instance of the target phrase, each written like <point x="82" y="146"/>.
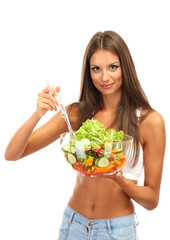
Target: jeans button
<point x="90" y="223"/>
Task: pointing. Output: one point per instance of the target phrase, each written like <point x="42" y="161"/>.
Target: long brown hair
<point x="133" y="96"/>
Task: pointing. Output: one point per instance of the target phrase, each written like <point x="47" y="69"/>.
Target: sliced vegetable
<point x="101" y="152"/>
<point x="66" y="148"/>
<point x="72" y="149"/>
<point x="103" y="162"/>
<point x="96" y="161"/>
<point x="79" y="167"/>
<point x="117" y="162"/>
<point x="71" y="158"/>
<point x="117" y="150"/>
<point x="89" y="161"/>
<point x="98" y="170"/>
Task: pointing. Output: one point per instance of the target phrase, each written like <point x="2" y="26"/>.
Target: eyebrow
<point x="109" y="64"/>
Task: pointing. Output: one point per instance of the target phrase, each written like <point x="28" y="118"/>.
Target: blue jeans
<point x="76" y="227"/>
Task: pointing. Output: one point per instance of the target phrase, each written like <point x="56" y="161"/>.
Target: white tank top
<point x="135" y="172"/>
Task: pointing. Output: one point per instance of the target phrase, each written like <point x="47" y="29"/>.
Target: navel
<point x="93" y="207"/>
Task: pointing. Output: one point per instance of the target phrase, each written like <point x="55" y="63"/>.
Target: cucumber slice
<point x="96" y="162"/>
<point x="66" y="148"/>
<point x="103" y="162"/>
<point x="71" y="158"/>
<point x="72" y="149"/>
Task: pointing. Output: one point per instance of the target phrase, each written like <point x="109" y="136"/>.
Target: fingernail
<point x="118" y="175"/>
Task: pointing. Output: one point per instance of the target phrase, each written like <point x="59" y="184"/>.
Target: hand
<point x="47" y="101"/>
<point x="117" y="176"/>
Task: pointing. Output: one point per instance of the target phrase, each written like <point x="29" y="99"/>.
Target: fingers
<point x="57" y="89"/>
<point x="51" y="90"/>
<point x="47" y="98"/>
<point x="119" y="175"/>
<point x="43" y="106"/>
<point x="115" y="176"/>
<point x="48" y="95"/>
<point x="47" y="101"/>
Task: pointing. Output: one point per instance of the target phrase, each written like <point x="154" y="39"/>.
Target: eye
<point x="96" y="69"/>
<point x="113" y="67"/>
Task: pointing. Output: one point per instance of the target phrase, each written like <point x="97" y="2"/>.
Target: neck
<point x="111" y="103"/>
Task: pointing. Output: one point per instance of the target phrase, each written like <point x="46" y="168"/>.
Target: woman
<point x="101" y="207"/>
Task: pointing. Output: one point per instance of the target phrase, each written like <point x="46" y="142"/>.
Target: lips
<point x="107" y="86"/>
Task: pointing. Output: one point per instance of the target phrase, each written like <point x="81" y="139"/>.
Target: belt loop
<point x="136" y="219"/>
<point x="72" y="216"/>
<point x="109" y="228"/>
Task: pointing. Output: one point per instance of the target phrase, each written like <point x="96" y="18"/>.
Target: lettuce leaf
<point x="95" y="132"/>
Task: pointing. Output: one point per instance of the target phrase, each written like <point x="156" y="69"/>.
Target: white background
<point x="42" y="40"/>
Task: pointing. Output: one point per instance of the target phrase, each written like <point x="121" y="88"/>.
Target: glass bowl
<point x="97" y="158"/>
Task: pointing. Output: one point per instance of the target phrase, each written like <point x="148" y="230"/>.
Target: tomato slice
<point x="101" y="152"/>
<point x="96" y="150"/>
<point x="79" y="167"/>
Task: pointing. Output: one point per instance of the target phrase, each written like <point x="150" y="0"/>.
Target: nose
<point x="105" y="75"/>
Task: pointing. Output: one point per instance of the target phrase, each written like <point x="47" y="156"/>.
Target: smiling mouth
<point x="107" y="86"/>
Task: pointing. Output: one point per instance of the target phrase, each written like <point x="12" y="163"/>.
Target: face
<point x="106" y="72"/>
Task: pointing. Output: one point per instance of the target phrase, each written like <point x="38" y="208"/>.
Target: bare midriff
<point x="99" y="198"/>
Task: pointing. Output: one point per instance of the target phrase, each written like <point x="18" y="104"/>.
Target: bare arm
<point x="153" y="135"/>
<point x="26" y="141"/>
<point x="19" y="141"/>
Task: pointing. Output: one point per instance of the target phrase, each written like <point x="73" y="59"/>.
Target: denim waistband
<point x="113" y="222"/>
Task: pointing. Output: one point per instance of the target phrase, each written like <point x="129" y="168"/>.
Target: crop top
<point x="135" y="172"/>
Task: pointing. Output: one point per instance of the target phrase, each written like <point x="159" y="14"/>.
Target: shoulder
<point x="152" y="119"/>
<point x="73" y="111"/>
<point x="59" y="123"/>
<point x="152" y="125"/>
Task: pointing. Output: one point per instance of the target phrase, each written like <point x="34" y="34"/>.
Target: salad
<point x="95" y="151"/>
